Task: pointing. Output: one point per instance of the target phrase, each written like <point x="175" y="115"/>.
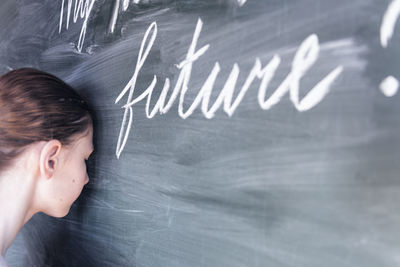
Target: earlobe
<point x="49" y="157"/>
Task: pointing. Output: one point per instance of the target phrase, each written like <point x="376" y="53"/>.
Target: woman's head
<point x="42" y="115"/>
<point x="37" y="106"/>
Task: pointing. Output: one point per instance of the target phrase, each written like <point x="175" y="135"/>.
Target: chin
<point x="58" y="213"/>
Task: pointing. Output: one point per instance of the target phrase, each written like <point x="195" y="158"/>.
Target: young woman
<point x="45" y="138"/>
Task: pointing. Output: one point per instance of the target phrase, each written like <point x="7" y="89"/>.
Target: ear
<point x="49" y="158"/>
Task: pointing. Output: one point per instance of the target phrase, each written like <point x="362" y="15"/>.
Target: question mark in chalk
<point x="390" y="85"/>
<point x="241" y="2"/>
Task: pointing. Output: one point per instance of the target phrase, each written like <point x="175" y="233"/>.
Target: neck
<point x="16" y="195"/>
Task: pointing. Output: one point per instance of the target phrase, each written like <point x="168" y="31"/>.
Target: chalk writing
<point x="389" y="86"/>
<point x="241" y="2"/>
<point x="125" y="5"/>
<point x="115" y="11"/>
<point x="305" y="57"/>
<point x="82" y="9"/>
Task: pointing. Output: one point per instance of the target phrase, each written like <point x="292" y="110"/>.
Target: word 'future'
<point x="305" y="57"/>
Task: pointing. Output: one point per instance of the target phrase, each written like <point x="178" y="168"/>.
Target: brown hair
<point x="37" y="106"/>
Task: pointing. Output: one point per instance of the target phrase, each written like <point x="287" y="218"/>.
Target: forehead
<point x="84" y="140"/>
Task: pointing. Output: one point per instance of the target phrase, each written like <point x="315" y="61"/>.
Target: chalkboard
<point x="228" y="132"/>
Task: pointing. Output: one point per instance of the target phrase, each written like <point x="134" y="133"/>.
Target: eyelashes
<point x="88" y="157"/>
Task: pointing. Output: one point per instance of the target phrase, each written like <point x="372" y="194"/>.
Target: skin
<point x="47" y="177"/>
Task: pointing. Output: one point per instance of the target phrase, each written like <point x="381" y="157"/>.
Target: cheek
<point x="80" y="175"/>
<point x="77" y="183"/>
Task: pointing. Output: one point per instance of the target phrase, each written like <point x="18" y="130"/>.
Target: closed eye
<point x="89" y="157"/>
<point x="87" y="160"/>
